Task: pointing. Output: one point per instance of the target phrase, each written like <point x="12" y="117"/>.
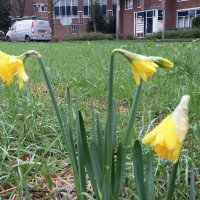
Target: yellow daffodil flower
<point x="11" y="66"/>
<point x="167" y="138"/>
<point x="144" y="67"/>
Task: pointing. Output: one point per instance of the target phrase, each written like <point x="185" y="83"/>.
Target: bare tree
<point x="50" y="5"/>
<point x="18" y="7"/>
<point x="164" y="17"/>
<point x="93" y="14"/>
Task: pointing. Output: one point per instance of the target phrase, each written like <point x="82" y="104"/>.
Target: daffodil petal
<point x="136" y="75"/>
<point x="167" y="137"/>
<point x="9" y="67"/>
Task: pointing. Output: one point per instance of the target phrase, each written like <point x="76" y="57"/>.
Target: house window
<point x="39" y="7"/>
<point x="73" y="29"/>
<point x="86" y="7"/>
<point x="128" y="4"/>
<point x="160" y="15"/>
<point x="109" y="13"/>
<point x="66" y="8"/>
<point x="114" y="7"/>
<point x="185" y="17"/>
<point x="74" y="4"/>
<point x="138" y="3"/>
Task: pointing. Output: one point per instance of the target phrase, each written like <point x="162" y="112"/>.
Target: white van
<point x="29" y="30"/>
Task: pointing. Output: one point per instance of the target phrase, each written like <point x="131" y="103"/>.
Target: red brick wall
<point x="172" y="6"/>
<point x="170" y="14"/>
<point x="109" y="4"/>
<point x="80" y="5"/>
<point x="61" y="32"/>
<point x="188" y="4"/>
<point x="148" y="4"/>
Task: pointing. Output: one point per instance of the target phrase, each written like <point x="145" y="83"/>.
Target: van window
<point x="13" y="27"/>
<point x="42" y="24"/>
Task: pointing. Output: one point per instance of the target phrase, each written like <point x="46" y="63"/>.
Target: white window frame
<point x="88" y="5"/>
<point x="181" y="0"/>
<point x="184" y="17"/>
<point x="138" y="3"/>
<point x="37" y="8"/>
<point x="128" y="4"/>
<point x="73" y="29"/>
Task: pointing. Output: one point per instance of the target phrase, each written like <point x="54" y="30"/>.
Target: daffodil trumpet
<point x="142" y="66"/>
<point x="167" y="138"/>
<point x="11" y="66"/>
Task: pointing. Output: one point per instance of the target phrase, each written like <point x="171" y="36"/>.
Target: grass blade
<point x="192" y="184"/>
<point x="23" y="181"/>
<point x="45" y="173"/>
<point x="138" y="169"/>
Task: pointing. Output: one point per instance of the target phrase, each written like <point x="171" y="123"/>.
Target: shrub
<point x="196" y="22"/>
<point x="174" y="34"/>
<point x="89" y="37"/>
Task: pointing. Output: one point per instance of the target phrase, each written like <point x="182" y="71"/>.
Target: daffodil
<point x="11" y="66"/>
<point x="167" y="138"/>
<point x="144" y="67"/>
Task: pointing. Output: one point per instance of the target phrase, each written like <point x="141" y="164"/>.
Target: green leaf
<point x="88" y="195"/>
<point x="171" y="184"/>
<point x="138" y="169"/>
<point x="131" y="120"/>
<point x="70" y="123"/>
<point x="150" y="190"/>
<point x="71" y="152"/>
<point x="100" y="138"/>
<point x="192" y="185"/>
<point x="81" y="166"/>
<point x="109" y="128"/>
<point x="121" y="158"/>
<point x="87" y="158"/>
<point x="96" y="168"/>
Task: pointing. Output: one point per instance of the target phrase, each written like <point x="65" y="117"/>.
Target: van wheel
<point x="8" y="39"/>
<point x="27" y="38"/>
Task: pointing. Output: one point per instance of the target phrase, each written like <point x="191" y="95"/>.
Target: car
<point x="29" y="30"/>
<point x="2" y="35"/>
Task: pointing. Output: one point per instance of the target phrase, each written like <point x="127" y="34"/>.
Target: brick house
<point x="142" y="17"/>
<point x="136" y="17"/>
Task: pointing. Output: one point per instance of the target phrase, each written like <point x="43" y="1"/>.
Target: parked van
<point x="29" y="30"/>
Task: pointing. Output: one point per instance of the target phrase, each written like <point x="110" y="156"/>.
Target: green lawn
<point x="28" y="126"/>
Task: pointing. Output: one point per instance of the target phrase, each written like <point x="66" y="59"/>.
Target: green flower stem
<point x="59" y="118"/>
<point x="132" y="117"/>
<point x="171" y="184"/>
<point x="53" y="99"/>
